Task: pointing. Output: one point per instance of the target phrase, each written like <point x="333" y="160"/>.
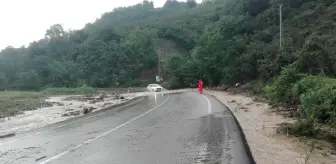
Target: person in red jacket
<point x="200" y="86"/>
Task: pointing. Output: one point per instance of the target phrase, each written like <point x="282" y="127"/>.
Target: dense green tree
<point x="191" y="3"/>
<point x="226" y="42"/>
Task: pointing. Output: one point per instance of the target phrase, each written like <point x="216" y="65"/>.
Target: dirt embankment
<point x="260" y="123"/>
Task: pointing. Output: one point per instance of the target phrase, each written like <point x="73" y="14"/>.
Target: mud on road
<point x="61" y="108"/>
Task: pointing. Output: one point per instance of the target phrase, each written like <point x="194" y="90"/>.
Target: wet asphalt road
<point x="160" y="128"/>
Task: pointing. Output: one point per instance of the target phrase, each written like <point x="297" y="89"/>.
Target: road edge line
<point x="241" y="131"/>
<point x="209" y="104"/>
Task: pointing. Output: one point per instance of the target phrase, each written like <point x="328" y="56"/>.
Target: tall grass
<point x="15" y="102"/>
<point x="79" y="90"/>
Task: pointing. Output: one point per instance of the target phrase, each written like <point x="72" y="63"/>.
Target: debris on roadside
<point x="57" y="103"/>
<point x="65" y="114"/>
<point x="38" y="159"/>
<point x="7" y="135"/>
<point x="92" y="108"/>
<point x="60" y="108"/>
<point x="232" y="101"/>
<point x="108" y="103"/>
<point x="74" y="113"/>
<point x="87" y="110"/>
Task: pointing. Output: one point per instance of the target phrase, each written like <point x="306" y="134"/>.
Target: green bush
<point x="316" y="95"/>
<point x="16" y="102"/>
<point x="318" y="98"/>
<point x="281" y="90"/>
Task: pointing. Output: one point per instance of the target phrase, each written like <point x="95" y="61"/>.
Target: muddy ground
<point x="61" y="108"/>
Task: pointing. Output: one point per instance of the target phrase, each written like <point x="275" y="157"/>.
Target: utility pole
<point x="159" y="67"/>
<point x="280" y="26"/>
<point x="158" y="76"/>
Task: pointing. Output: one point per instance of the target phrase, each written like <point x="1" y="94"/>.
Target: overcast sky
<point x="23" y="21"/>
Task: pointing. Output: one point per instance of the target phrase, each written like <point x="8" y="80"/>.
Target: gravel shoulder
<point x="260" y="125"/>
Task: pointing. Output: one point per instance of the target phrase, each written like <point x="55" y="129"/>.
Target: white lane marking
<point x="101" y="135"/>
<point x="209" y="104"/>
<point x="69" y="123"/>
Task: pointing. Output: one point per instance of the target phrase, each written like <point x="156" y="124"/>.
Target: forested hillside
<point x="219" y="41"/>
<point x="103" y="54"/>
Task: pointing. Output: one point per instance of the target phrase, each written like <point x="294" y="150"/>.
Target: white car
<point x="154" y="88"/>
